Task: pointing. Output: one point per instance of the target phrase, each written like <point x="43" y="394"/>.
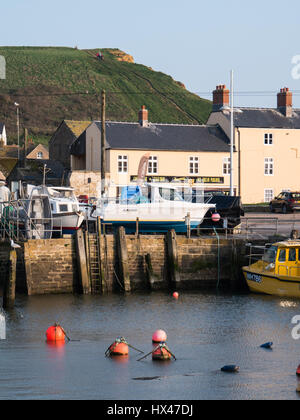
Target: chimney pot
<point x="143" y="116"/>
<point x="220" y="97"/>
<point x="285" y="102"/>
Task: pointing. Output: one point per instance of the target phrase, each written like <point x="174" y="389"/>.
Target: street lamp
<point x="18" y="127"/>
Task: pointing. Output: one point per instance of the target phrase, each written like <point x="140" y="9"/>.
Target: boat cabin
<point x="283" y="258"/>
<point x="63" y="200"/>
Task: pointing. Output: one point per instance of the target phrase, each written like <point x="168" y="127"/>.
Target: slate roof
<point x="265" y="118"/>
<point x="132" y="136"/>
<point x="33" y="172"/>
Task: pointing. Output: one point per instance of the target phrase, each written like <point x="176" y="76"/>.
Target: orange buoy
<point x="161" y="353"/>
<point x="175" y="295"/>
<point x="55" y="333"/>
<point x="118" y="348"/>
<point x="159" y="336"/>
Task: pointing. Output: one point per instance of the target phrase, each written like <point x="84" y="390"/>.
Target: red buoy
<point x="55" y="333"/>
<point x="159" y="336"/>
<point x="175" y="295"/>
<point x="161" y="353"/>
<point x="215" y="217"/>
<point x="118" y="348"/>
<point x="298" y="371"/>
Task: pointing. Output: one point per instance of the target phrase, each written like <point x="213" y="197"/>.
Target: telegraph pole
<point x="231" y="134"/>
<point x="103" y="142"/>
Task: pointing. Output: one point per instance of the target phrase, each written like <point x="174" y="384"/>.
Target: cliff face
<point x="121" y="55"/>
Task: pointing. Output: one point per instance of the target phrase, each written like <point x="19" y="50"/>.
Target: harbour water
<point x="205" y="332"/>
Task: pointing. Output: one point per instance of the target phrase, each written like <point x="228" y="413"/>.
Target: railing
<point x="16" y="223"/>
<point x="258" y="254"/>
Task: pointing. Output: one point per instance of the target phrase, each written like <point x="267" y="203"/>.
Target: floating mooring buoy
<point x="160" y="352"/>
<point x="175" y="295"/>
<point x="267" y="345"/>
<point x="55" y="333"/>
<point x="159" y="336"/>
<point x="230" y="368"/>
<point x="118" y="348"/>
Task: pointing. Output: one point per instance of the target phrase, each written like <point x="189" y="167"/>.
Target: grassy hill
<point x="52" y="84"/>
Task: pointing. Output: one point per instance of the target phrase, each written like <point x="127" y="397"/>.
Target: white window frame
<point x="269" y="166"/>
<point x="268" y="195"/>
<point x="268" y="139"/>
<point x="122" y="164"/>
<point x="194" y="161"/>
<point x="226" y="165"/>
<point x="153" y="165"/>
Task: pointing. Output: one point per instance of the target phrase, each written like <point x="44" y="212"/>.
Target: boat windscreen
<point x="170" y="194"/>
<point x="270" y="254"/>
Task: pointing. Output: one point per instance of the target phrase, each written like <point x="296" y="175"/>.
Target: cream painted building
<point x="266" y="144"/>
<point x="194" y="154"/>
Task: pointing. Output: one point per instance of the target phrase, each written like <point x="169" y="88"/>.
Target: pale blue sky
<point x="196" y="42"/>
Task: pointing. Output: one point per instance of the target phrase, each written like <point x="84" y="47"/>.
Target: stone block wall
<point x="50" y="266"/>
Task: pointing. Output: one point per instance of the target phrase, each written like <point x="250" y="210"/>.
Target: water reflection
<point x="205" y="332"/>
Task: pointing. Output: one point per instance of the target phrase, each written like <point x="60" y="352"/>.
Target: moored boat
<point x="65" y="209"/>
<point x="278" y="272"/>
<point x="156" y="208"/>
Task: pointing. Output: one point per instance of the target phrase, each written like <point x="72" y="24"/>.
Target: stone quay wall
<point x="51" y="266"/>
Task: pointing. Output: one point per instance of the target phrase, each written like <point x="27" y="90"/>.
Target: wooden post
<point x="82" y="263"/>
<point x="173" y="258"/>
<point x="149" y="270"/>
<point x="103" y="142"/>
<point x="102" y="271"/>
<point x="9" y="292"/>
<point x="188" y="225"/>
<point x="123" y="258"/>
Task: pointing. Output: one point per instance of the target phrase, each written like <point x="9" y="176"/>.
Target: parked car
<point x="286" y="201"/>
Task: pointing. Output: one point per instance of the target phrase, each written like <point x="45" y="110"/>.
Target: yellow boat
<point x="278" y="272"/>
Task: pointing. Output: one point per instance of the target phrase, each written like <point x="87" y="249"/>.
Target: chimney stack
<point x="285" y="102"/>
<point x="143" y="116"/>
<point x="220" y="97"/>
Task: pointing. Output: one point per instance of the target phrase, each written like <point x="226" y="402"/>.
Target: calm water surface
<point x="205" y="332"/>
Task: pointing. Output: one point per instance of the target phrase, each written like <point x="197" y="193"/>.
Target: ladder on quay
<point x="94" y="261"/>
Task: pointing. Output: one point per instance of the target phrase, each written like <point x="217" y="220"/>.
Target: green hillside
<point x="52" y="84"/>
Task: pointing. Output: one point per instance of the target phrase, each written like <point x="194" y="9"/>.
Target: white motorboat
<point x="66" y="211"/>
<point x="157" y="208"/>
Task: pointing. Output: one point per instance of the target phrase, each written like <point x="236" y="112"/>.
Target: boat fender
<point x="230" y="369"/>
<point x="267" y="345"/>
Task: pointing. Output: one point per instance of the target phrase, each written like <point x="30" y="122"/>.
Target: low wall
<point x="202" y="263"/>
<point x="51" y="266"/>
